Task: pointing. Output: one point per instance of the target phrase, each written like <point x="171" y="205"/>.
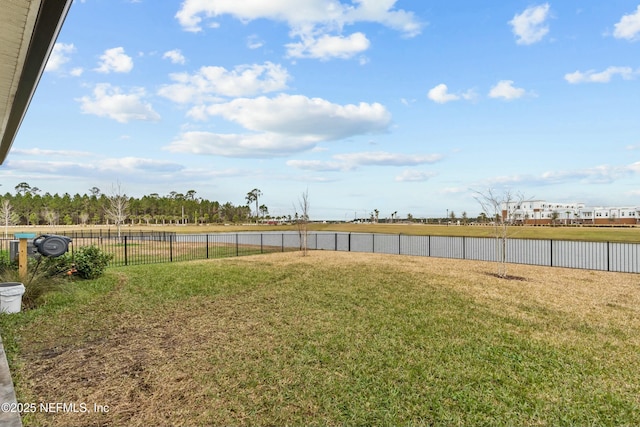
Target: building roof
<point x="28" y="31"/>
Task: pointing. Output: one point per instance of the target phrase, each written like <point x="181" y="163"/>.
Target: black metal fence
<point x="160" y="247"/>
<point x="607" y="256"/>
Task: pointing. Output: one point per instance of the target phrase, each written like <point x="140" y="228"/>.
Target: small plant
<point x="39" y="281"/>
<point x="91" y="261"/>
<point x="5" y="262"/>
<point x="501" y="207"/>
<point x="58" y="266"/>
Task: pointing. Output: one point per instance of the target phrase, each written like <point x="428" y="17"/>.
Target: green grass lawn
<point x="334" y="338"/>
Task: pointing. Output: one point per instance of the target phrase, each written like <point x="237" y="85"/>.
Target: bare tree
<point x="302" y="221"/>
<point x="50" y="216"/>
<point x="84" y="218"/>
<point x="502" y="207"/>
<point x="8" y="216"/>
<point x="117" y="206"/>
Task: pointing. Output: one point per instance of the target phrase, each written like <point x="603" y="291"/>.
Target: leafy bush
<point x="56" y="267"/>
<point x="5" y="262"/>
<point x="90" y="262"/>
<point x="37" y="283"/>
<point x="47" y="274"/>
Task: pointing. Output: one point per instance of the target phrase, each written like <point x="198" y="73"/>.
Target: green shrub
<point x="37" y="284"/>
<point x="91" y="262"/>
<point x="5" y="262"/>
<point x="56" y="267"/>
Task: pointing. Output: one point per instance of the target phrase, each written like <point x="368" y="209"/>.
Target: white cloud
<point x="629" y="26"/>
<point x="382" y="12"/>
<point x="603" y="174"/>
<point x="299" y="15"/>
<point x="529" y="26"/>
<point x="383" y="158"/>
<point x="49" y="167"/>
<point x="504" y="89"/>
<point x="76" y="72"/>
<point x="318" y="165"/>
<point x="453" y="190"/>
<point x="109" y="101"/>
<point x="605" y="76"/>
<point x="115" y="60"/>
<point x="106" y="168"/>
<point x="350" y="161"/>
<point x="209" y="82"/>
<point x="312" y="119"/>
<point x="327" y="47"/>
<point x="410" y="175"/>
<point x="254" y="42"/>
<point x="50" y="153"/>
<point x="175" y="56"/>
<point x="318" y="23"/>
<point x="441" y="95"/>
<point x="282" y="126"/>
<point x="238" y="145"/>
<point x="131" y="165"/>
<point x="598" y="174"/>
<point x="60" y="55"/>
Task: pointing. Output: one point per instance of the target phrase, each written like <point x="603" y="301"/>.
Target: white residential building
<point x="541" y="212"/>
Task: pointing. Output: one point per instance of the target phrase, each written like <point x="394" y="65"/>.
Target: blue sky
<point x="403" y="106"/>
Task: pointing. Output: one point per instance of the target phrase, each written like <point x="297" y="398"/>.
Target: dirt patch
<point x="508" y="277"/>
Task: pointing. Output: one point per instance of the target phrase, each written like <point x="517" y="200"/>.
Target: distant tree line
<point x="30" y="206"/>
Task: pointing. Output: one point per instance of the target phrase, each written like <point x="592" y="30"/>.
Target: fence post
<point x="373" y="243"/>
<point x="126" y="261"/>
<point x="207" y="240"/>
<point x="237" y="252"/>
<point x="282" y="238"/>
<point x="608" y="265"/>
<point x="349" y="243"/>
<point x="399" y="243"/>
<point x="551" y="252"/>
<point x="170" y="248"/>
<point x="261" y="243"/>
<point x="335" y="243"/>
<point x="429" y="246"/>
<point x="464" y="247"/>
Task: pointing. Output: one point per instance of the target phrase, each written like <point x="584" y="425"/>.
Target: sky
<point x="407" y="106"/>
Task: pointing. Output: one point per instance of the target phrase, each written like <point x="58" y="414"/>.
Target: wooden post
<point x="23" y="259"/>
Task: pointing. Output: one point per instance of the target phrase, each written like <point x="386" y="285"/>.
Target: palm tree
<point x="264" y="210"/>
<point x="252" y="196"/>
